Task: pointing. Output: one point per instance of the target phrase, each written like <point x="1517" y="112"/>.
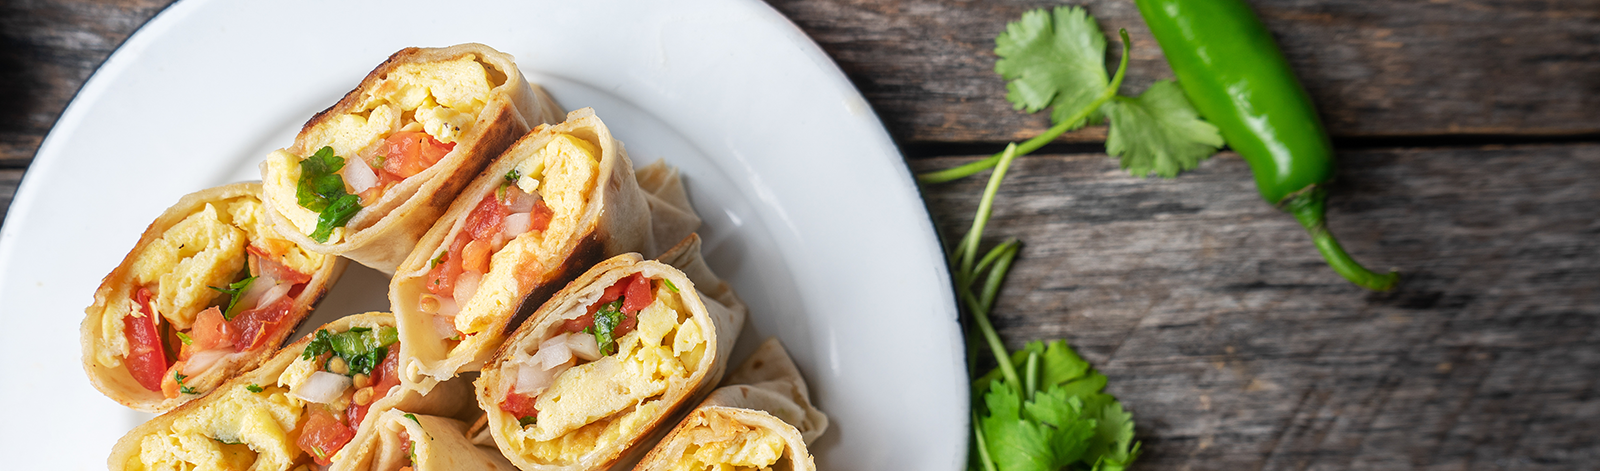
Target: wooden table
<point x="1470" y="159"/>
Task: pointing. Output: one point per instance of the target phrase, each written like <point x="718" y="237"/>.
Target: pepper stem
<point x="1308" y="206"/>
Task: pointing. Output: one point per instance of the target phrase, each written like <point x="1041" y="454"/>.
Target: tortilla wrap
<point x="761" y="419"/>
<point x="483" y="105"/>
<point x="436" y="444"/>
<point x="236" y="428"/>
<point x="598" y="211"/>
<point x="671" y="216"/>
<point x="599" y="413"/>
<point x="224" y="222"/>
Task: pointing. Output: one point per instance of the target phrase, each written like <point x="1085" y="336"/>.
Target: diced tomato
<point x="539" y="218"/>
<point x="408" y="153"/>
<point x="405" y="448"/>
<point x="519" y="405"/>
<point x="255" y="326"/>
<point x="639" y="294"/>
<point x="272" y="268"/>
<point x="442" y="277"/>
<point x="323" y="434"/>
<point x="577" y="325"/>
<point x="475" y="256"/>
<point x="211" y="331"/>
<point x="485" y="220"/>
<point x="147" y="358"/>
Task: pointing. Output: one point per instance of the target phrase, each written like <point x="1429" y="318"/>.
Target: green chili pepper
<point x="1233" y="72"/>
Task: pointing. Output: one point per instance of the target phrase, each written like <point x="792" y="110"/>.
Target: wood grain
<point x="1237" y="348"/>
<point x="1375" y="68"/>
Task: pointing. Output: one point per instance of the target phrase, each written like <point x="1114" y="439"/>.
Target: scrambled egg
<point x="726" y="445"/>
<point x="562" y="173"/>
<point x="614" y="396"/>
<point x="240" y="430"/>
<point x="442" y="99"/>
<point x="202" y="250"/>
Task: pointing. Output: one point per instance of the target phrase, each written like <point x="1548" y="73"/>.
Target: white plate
<point x="809" y="208"/>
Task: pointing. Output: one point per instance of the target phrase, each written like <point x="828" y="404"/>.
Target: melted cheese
<point x="241" y="430"/>
<point x="614" y="396"/>
<point x="442" y="98"/>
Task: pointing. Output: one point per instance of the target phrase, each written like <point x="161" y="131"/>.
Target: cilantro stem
<point x="1038" y="141"/>
<point x="969" y="244"/>
<point x="980" y="307"/>
<point x="983" y="445"/>
<point x="1032" y="374"/>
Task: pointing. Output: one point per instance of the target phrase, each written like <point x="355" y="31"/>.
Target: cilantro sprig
<point x="606" y="320"/>
<point x="321" y="189"/>
<point x="1055" y="59"/>
<point x="361" y="348"/>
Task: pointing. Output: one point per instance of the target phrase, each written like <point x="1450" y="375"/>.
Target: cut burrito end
<point x="716" y="439"/>
<point x="209" y="290"/>
<point x="301" y="407"/>
<point x="604" y="364"/>
<point x="368" y="175"/>
<point x="537" y="217"/>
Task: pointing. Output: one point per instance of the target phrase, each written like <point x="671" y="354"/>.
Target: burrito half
<point x="761" y="420"/>
<point x="420" y="442"/>
<point x="298" y="409"/>
<point x="209" y="290"/>
<point x="608" y="360"/>
<point x="556" y="203"/>
<point x="366" y="177"/>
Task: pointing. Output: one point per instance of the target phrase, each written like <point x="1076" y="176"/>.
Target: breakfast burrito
<point x="298" y="409"/>
<point x="557" y="202"/>
<point x="761" y="420"/>
<point x="209" y="290"/>
<point x="608" y="360"/>
<point x="366" y="177"/>
<point x="419" y="442"/>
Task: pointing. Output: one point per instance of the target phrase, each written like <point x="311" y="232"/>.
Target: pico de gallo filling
<point x="214" y="288"/>
<point x="603" y="370"/>
<point x="405" y="124"/>
<point x="340" y="376"/>
<point x="550" y="185"/>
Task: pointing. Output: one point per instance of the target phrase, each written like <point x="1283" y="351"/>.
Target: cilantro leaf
<point x="255" y="388"/>
<point x="1159" y="132"/>
<point x="1068" y="420"/>
<point x="321" y="189"/>
<point x="235" y="292"/>
<point x="361" y="348"/>
<point x="606" y="320"/>
<point x="181" y="388"/>
<point x="1055" y="60"/>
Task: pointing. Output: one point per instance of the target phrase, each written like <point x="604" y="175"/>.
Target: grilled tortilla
<point x="468" y="98"/>
<point x="592" y="413"/>
<point x="210" y="238"/>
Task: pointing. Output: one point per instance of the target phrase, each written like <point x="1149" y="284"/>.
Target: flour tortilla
<point x="719" y="316"/>
<point x="615" y="219"/>
<point x="382" y="235"/>
<point x="117" y="289"/>
<point x="445" y="400"/>
<point x="767" y="394"/>
<point x="672" y="218"/>
<point x="440" y="444"/>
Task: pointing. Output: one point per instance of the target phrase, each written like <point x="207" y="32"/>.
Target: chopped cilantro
<point x="225" y="442"/>
<point x="235" y="292"/>
<point x="182" y="337"/>
<point x="413" y="418"/>
<point x="361" y="348"/>
<point x="181" y="388"/>
<point x="438" y="260"/>
<point x="529" y="420"/>
<point x="606" y="320"/>
<point x="513" y="176"/>
<point x="670" y="286"/>
<point x="255" y="388"/>
<point x="321" y="189"/>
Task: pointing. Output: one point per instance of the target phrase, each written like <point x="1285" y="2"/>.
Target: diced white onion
<point x="359" y="176"/>
<point x="202" y="361"/>
<point x="532" y="379"/>
<point x="516" y="224"/>
<point x="258" y="289"/>
<point x="583" y="346"/>
<point x="273" y="293"/>
<point x="553" y="352"/>
<point x="448" y="307"/>
<point x="445" y="326"/>
<point x="466" y="286"/>
<point x="322" y="387"/>
<point x="519" y="202"/>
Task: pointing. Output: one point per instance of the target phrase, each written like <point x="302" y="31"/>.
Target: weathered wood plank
<point x="9" y="179"/>
<point x="1401" y="68"/>
<point x="1237" y="348"/>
